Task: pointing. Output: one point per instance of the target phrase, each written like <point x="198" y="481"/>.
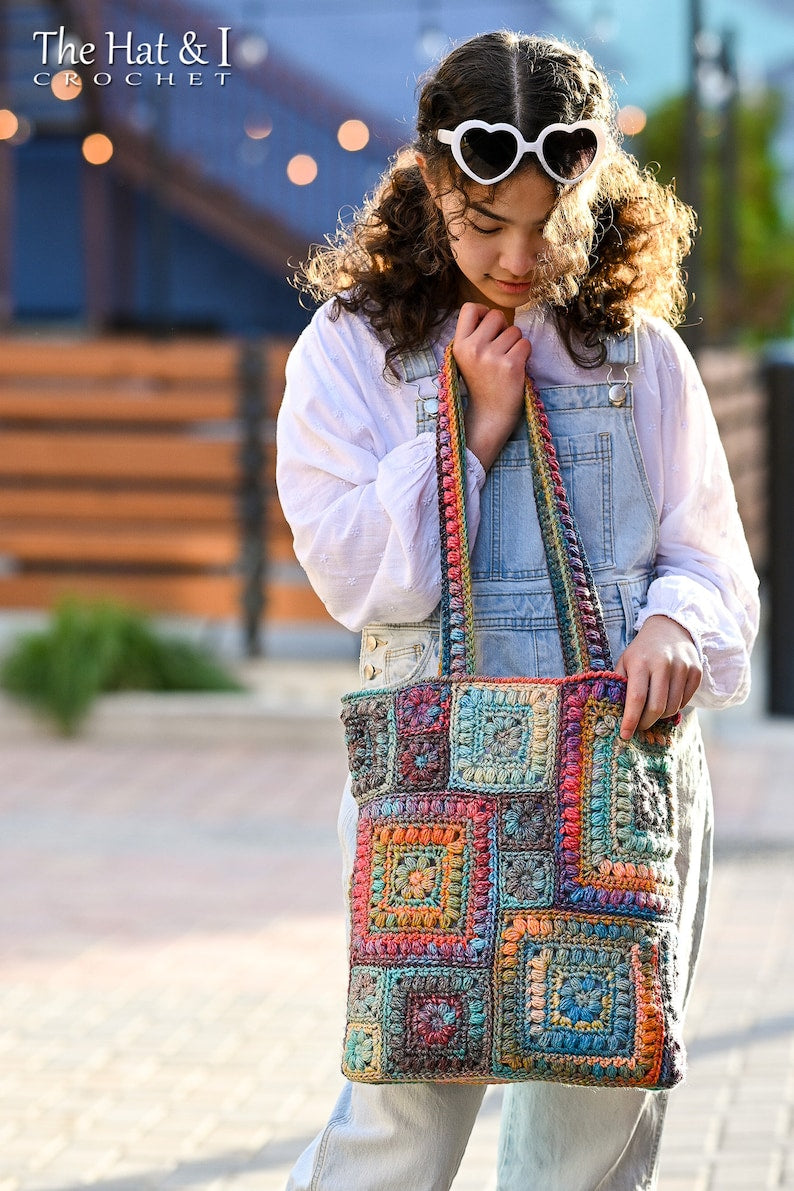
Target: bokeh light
<point x="353" y="135"/>
<point x="631" y="120"/>
<point x="251" y="51"/>
<point x="66" y="85"/>
<point x="97" y="148"/>
<point x="431" y="43"/>
<point x="258" y="127"/>
<point x="301" y="169"/>
<point x="9" y="124"/>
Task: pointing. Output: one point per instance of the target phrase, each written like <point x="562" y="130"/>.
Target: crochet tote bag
<point x="514" y="894"/>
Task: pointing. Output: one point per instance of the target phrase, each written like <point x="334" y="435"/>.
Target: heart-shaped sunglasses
<point x="487" y="153"/>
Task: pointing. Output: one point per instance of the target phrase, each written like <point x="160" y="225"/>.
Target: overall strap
<point x="621" y="349"/>
<point x="580" y="621"/>
<point x="416" y="364"/>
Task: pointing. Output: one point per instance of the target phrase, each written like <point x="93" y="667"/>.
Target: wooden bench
<point x="143" y="470"/>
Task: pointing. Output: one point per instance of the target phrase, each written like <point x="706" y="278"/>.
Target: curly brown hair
<point x="615" y="241"/>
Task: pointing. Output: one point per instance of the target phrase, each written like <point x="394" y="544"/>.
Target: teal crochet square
<point x="503" y="737"/>
<point x="573" y="994"/>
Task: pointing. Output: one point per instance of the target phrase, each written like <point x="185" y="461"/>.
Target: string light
<point x="97" y="148"/>
<point x="301" y="169"/>
<point x="353" y="135"/>
<point x="66" y="85"/>
<point x="631" y="120"/>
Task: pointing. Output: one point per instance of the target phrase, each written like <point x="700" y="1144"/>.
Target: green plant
<point x="94" y="647"/>
<point x="745" y="221"/>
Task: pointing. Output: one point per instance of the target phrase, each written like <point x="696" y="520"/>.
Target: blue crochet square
<point x="578" y="998"/>
<point x="503" y="737"/>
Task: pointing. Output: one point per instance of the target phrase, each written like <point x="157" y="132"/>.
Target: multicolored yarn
<point x="514" y="892"/>
<point x="585" y="644"/>
<point x="457" y="641"/>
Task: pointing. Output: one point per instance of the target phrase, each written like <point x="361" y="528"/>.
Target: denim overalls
<point x="553" y="1138"/>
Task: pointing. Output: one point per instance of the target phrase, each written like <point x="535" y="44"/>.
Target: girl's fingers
<point x="486" y="326"/>
<point x="470" y="316"/>
<point x="654" y="697"/>
<point x="694" y="679"/>
<point x="636" y="698"/>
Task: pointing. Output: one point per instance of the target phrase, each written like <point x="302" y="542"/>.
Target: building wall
<point x="158" y="267"/>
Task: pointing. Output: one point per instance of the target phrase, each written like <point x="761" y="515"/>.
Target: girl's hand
<point x="492" y="357"/>
<point x="662" y="670"/>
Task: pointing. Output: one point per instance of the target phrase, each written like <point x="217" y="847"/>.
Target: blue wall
<point x="48" y="279"/>
<point x="177" y="269"/>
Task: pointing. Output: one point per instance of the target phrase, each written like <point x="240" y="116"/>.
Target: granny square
<point x="423" y="708"/>
<point x="501" y="736"/>
<point x="370" y="738"/>
<point x="580" y="997"/>
<point x="437" y="1022"/>
<point x="616" y="825"/>
<point x="424" y="882"/>
<point x="527" y="879"/>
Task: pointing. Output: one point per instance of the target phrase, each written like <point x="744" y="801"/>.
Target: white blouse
<point x="358" y="487"/>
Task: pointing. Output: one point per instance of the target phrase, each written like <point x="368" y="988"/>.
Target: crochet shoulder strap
<point x="585" y="645"/>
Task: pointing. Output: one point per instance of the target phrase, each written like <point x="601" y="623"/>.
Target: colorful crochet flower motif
<point x="528" y="879"/>
<point x="436" y="1021"/>
<point x="503" y="735"/>
<point x="581" y="1000"/>
<point x="423" y="882"/>
<point x="502" y="738"/>
<point x="423" y="761"/>
<point x="526" y="821"/>
<point x="359" y="1050"/>
<point x="653" y="807"/>
<point x="369" y="743"/>
<point x="415" y="877"/>
<point x="364" y="997"/>
<point x="423" y="708"/>
<point x="616" y="826"/>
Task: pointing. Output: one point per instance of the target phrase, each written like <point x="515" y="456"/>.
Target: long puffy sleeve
<point x="706" y="579"/>
<point x="357" y="484"/>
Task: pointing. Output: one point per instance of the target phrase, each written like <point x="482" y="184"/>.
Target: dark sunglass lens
<point x="570" y="153"/>
<point x="488" y="154"/>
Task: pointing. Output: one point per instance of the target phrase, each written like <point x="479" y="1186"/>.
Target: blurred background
<point x="154" y="201"/>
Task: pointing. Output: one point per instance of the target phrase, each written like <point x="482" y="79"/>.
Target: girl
<point x="518" y="228"/>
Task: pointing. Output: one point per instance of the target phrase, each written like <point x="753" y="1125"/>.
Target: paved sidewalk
<point x="172" y="965"/>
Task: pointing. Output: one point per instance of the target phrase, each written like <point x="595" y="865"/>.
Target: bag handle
<point x="580" y="621"/>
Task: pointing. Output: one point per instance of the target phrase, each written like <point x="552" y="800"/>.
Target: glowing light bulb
<point x="353" y="135"/>
<point x="66" y="85"/>
<point x="301" y="169"/>
<point x="97" y="148"/>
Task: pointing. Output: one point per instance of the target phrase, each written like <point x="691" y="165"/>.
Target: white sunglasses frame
<point x="453" y="138"/>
